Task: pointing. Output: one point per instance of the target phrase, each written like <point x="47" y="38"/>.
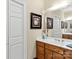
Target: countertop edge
<point x="55" y="44"/>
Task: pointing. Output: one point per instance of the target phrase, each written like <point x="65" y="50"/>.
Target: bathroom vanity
<point x="67" y="36"/>
<point x="52" y="50"/>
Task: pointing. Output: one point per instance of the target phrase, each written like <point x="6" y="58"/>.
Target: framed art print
<point x="65" y="25"/>
<point x="36" y="21"/>
<point x="49" y="23"/>
<point x="70" y="25"/>
<point x="62" y="24"/>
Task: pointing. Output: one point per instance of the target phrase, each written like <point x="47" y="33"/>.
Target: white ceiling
<point x="51" y="3"/>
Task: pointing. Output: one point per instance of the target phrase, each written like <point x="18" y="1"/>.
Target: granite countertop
<point x="57" y="42"/>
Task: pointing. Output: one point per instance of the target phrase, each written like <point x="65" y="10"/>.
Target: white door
<point x="16" y="29"/>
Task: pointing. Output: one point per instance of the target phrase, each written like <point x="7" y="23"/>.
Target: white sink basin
<point x="59" y="41"/>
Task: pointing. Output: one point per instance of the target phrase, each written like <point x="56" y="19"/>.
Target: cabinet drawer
<point x="69" y="52"/>
<point x="54" y="48"/>
<point x="59" y="50"/>
<point x="40" y="43"/>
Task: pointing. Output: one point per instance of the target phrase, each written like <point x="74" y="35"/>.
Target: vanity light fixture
<point x="59" y="6"/>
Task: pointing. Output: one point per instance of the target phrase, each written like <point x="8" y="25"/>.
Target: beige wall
<point x="67" y="14"/>
<point x="35" y="6"/>
<point x="38" y="6"/>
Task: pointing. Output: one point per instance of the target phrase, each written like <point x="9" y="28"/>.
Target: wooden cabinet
<point x="48" y="54"/>
<point x="57" y="56"/>
<point x="68" y="54"/>
<point x="67" y="58"/>
<point x="47" y="51"/>
<point x="40" y="50"/>
<point x="54" y="48"/>
<point x="40" y="56"/>
<point x="55" y="52"/>
<point x="66" y="36"/>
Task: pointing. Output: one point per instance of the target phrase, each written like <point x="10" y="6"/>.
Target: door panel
<point x="19" y="1"/>
<point x="40" y="56"/>
<point x="57" y="56"/>
<point x="16" y="29"/>
<point x="48" y="54"/>
<point x="40" y="52"/>
<point x="16" y="20"/>
<point x="16" y="51"/>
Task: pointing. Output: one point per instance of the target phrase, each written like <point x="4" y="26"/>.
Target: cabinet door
<point x="40" y="52"/>
<point x="40" y="56"/>
<point x="68" y="54"/>
<point x="57" y="56"/>
<point x="48" y="54"/>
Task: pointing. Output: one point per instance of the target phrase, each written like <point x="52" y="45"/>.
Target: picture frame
<point x="70" y="25"/>
<point x="36" y="21"/>
<point x="62" y="24"/>
<point x="49" y="23"/>
<point x="65" y="25"/>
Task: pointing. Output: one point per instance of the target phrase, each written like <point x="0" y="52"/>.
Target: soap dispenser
<point x="44" y="36"/>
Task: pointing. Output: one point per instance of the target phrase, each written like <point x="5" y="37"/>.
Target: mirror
<point x="58" y="17"/>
